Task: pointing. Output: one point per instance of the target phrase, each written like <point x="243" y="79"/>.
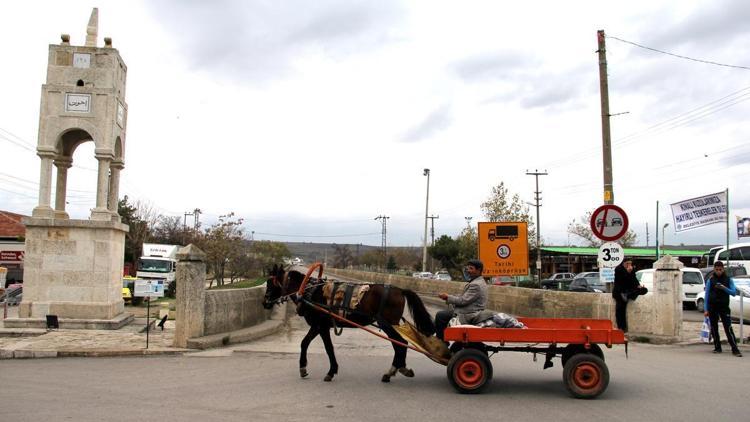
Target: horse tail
<point x="419" y="314"/>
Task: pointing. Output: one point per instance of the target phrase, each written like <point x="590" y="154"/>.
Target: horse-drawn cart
<point x="575" y="341"/>
<point x="585" y="374"/>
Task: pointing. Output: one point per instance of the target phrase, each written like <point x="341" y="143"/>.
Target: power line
<point x="678" y="55"/>
<point x="321" y="235"/>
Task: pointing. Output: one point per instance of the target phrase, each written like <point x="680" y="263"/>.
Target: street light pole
<point x="426" y="210"/>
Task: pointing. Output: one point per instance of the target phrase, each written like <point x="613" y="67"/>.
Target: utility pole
<point x="197" y="213"/>
<point x="383" y="220"/>
<point x="426" y="209"/>
<point x="432" y="228"/>
<point x="432" y="235"/>
<point x="647" y="234"/>
<point x="184" y="226"/>
<point x="609" y="196"/>
<point x="538" y="198"/>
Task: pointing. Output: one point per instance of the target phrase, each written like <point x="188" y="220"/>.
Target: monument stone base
<point x="73" y="269"/>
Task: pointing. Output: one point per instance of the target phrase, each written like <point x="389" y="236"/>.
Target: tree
<point x="342" y="256"/>
<point x="267" y="253"/>
<point x="170" y="231"/>
<point x="446" y="250"/>
<point x="467" y="246"/>
<point x="222" y="243"/>
<point x="140" y="218"/>
<point x="499" y="207"/>
<point x="582" y="229"/>
<point x="391" y="265"/>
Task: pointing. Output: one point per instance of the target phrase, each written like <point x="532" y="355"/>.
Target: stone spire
<point x="92" y="30"/>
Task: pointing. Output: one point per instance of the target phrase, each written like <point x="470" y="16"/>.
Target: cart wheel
<point x="573" y="349"/>
<point x="469" y="371"/>
<point x="585" y="376"/>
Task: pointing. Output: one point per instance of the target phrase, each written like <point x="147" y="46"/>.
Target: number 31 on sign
<point x="610" y="255"/>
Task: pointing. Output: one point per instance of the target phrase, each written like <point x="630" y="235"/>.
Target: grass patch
<point x="244" y="284"/>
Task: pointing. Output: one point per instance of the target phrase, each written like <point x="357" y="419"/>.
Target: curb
<point x="39" y="354"/>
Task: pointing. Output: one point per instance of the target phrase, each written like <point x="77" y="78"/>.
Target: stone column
<point x="62" y="164"/>
<point x="114" y="188"/>
<point x="667" y="312"/>
<point x="44" y="210"/>
<point x="102" y="186"/>
<point x="191" y="295"/>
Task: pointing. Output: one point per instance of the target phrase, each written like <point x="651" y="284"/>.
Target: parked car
<point x="731" y="271"/>
<point x="693" y="284"/>
<point x="743" y="288"/>
<point x="424" y="274"/>
<point x="558" y="280"/>
<point x="503" y="280"/>
<point x="743" y="285"/>
<point x="587" y="284"/>
<point x="589" y="274"/>
<point x="442" y="275"/>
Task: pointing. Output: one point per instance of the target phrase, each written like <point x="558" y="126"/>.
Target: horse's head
<point x="274" y="286"/>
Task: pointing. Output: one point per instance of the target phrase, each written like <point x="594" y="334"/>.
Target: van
<point x="738" y="254"/>
<point x="692" y="283"/>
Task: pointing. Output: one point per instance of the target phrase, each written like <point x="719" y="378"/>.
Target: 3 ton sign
<point x="609" y="222"/>
<point x="610" y="255"/>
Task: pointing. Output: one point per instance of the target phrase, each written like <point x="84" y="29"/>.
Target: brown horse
<point x="382" y="305"/>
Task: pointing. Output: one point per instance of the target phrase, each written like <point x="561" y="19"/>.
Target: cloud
<point x="494" y="65"/>
<point x="711" y="27"/>
<point x="435" y="122"/>
<point x="262" y="39"/>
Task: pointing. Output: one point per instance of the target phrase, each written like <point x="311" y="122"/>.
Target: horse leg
<point x="325" y="334"/>
<point x="399" y="357"/>
<point x="311" y="334"/>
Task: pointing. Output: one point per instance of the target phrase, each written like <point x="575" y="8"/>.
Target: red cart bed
<point x="576" y="341"/>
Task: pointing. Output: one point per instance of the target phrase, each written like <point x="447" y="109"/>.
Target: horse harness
<point x="342" y="298"/>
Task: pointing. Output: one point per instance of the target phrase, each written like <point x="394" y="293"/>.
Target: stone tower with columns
<point x="73" y="268"/>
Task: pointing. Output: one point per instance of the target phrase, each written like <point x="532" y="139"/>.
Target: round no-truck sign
<point x="609" y="222"/>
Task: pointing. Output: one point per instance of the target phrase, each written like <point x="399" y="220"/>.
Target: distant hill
<point x="313" y="252"/>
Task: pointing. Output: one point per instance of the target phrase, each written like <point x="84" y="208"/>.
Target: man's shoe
<point x="717" y="350"/>
<point x="737" y="353"/>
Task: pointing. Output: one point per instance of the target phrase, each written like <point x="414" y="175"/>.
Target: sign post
<point x="504" y="248"/>
<point x="148" y="289"/>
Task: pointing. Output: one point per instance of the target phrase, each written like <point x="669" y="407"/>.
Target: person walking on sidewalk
<point x="472" y="301"/>
<point x="718" y="289"/>
<point x="626" y="288"/>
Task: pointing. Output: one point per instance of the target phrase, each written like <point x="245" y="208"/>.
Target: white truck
<point x="158" y="262"/>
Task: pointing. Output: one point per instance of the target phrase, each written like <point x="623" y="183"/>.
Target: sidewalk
<point x="127" y="341"/>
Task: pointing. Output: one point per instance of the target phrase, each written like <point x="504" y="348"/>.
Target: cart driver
<point x="472" y="301"/>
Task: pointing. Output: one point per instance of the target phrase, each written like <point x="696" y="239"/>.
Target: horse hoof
<point x="407" y="372"/>
<point x="328" y="378"/>
<point x="303" y="372"/>
<point x="386" y="378"/>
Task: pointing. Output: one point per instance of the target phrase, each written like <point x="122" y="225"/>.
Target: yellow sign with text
<point x="504" y="248"/>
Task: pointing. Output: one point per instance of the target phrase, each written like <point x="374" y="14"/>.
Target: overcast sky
<point x="310" y="118"/>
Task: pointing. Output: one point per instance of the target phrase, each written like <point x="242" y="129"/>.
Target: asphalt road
<point x="655" y="383"/>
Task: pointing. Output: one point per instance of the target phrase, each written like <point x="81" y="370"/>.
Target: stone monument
<point x="73" y="268"/>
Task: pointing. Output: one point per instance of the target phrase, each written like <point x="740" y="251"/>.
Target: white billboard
<point x="700" y="211"/>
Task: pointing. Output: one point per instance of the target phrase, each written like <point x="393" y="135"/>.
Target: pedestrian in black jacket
<point x="718" y="289"/>
<point x="626" y="288"/>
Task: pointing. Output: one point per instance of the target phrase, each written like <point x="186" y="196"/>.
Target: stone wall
<point x="512" y="300"/>
<point x="201" y="313"/>
<point x="233" y="309"/>
<point x="657" y="316"/>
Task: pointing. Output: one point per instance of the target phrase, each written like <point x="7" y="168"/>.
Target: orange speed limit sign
<point x="504" y="248"/>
